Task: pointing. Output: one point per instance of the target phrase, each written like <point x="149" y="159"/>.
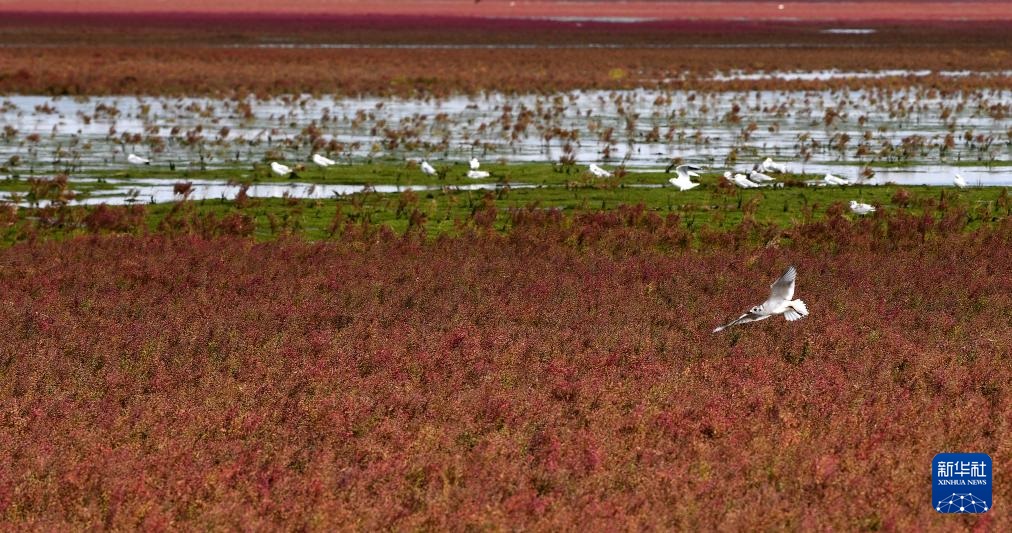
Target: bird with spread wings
<point x="779" y="303"/>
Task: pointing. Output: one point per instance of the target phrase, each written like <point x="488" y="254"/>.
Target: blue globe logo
<point x="962" y="503"/>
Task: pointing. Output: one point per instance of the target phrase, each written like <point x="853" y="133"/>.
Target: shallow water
<point x="849" y="31"/>
<point x="162" y="190"/>
<point x="640" y="128"/>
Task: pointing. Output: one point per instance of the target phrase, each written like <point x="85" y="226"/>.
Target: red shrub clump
<point x="115" y="218"/>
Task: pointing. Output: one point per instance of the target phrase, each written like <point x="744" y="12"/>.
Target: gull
<point x="740" y="180"/>
<point x="769" y="166"/>
<point x="958" y="181"/>
<point x="830" y="179"/>
<point x="779" y="303"/>
<point x="428" y="169"/>
<point x="279" y="169"/>
<point x="474" y="173"/>
<point x="758" y="177"/>
<point x="598" y="172"/>
<point x="861" y="208"/>
<point x="138" y="160"/>
<point x="685" y="173"/>
<point x="323" y="161"/>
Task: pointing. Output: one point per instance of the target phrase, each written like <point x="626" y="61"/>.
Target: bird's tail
<point x="796" y="310"/>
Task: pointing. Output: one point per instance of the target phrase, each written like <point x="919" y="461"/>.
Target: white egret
<point x="428" y="169"/>
<point x="958" y="181"/>
<point x="138" y="160"/>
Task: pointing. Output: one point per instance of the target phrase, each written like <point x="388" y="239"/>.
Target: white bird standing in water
<point x="861" y="208"/>
<point x="475" y="165"/>
<point x="779" y="303"/>
<point x="685" y="174"/>
<point x="323" y="161"/>
<point x="138" y="160"/>
<point x="279" y="169"/>
<point x="958" y="181"/>
<point x="428" y="169"/>
<point x="740" y="180"/>
<point x="598" y="172"/>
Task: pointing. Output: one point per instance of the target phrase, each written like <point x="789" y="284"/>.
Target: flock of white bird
<point x="758" y="176"/>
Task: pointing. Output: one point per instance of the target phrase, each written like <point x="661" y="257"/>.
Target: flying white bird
<point x="428" y="169"/>
<point x="685" y="174"/>
<point x="958" y="181"/>
<point x="861" y="208"/>
<point x="474" y="163"/>
<point x="830" y="179"/>
<point x="323" y="161"/>
<point x="740" y="180"/>
<point x="779" y="303"/>
<point x="138" y="160"/>
<point x="769" y="166"/>
<point x="598" y="172"/>
<point x="758" y="177"/>
<point x="279" y="169"/>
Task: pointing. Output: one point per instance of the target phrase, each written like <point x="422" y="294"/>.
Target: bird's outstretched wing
<point x="743" y="319"/>
<point x="783" y="288"/>
<point x="796" y="311"/>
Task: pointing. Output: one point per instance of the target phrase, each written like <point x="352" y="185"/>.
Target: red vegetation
<point x="806" y="10"/>
<point x="561" y="373"/>
<point x="188" y="54"/>
<point x="419" y="72"/>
